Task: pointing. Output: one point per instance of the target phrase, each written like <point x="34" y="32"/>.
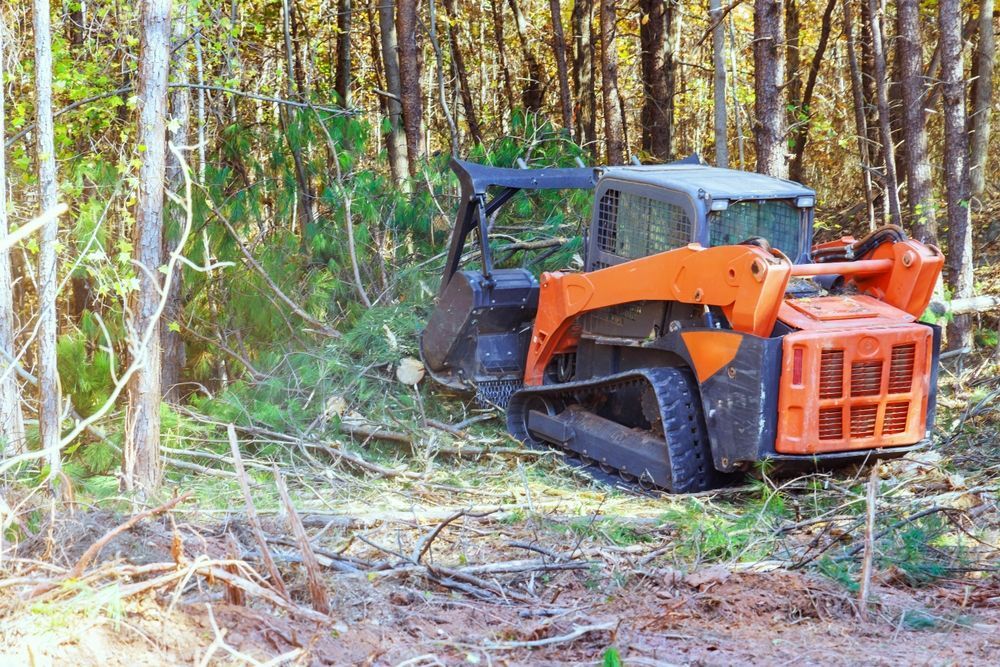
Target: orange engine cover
<point x="850" y="383"/>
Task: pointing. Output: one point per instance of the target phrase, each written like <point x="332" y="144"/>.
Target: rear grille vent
<point x="901" y="368"/>
<point x="866" y="378"/>
<point x="831" y="423"/>
<point x="831" y="374"/>
<point x="863" y="419"/>
<point x="895" y="418"/>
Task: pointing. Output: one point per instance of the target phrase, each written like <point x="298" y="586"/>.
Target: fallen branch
<point x="317" y="590"/>
<point x="578" y="632"/>
<point x="252" y="518"/>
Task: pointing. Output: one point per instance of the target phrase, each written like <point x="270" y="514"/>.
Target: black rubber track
<point x="685" y="439"/>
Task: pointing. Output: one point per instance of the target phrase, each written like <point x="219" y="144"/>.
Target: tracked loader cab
<point x="704" y="334"/>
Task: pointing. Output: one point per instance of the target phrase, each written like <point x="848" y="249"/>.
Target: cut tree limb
<point x="252" y="519"/>
<point x="317" y="589"/>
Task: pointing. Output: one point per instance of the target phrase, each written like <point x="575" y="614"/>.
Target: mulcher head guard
<point x="477" y="337"/>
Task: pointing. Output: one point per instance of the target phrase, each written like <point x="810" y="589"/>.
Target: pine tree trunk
<point x="439" y="67"/>
<point x="409" y="81"/>
<point x="173" y="353"/>
<point x="657" y="117"/>
<point x="614" y="124"/>
<point x="884" y="126"/>
<point x="142" y="470"/>
<point x="562" y="71"/>
<point x="982" y="99"/>
<point x="533" y="93"/>
<point x="800" y="133"/>
<point x="719" y="83"/>
<point x="769" y="126"/>
<point x="343" y="80"/>
<point x="860" y="118"/>
<point x="11" y="417"/>
<point x="471" y="117"/>
<point x="293" y="76"/>
<point x="583" y="74"/>
<point x="396" y="141"/>
<point x="956" y="161"/>
<point x="49" y="395"/>
<point x="919" y="189"/>
<point x="496" y="9"/>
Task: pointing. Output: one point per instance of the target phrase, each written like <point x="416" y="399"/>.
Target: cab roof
<point x="699" y="180"/>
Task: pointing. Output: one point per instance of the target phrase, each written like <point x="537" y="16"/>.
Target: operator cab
<point x="645" y="210"/>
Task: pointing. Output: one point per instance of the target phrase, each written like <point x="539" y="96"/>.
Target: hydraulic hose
<point x="861" y="247"/>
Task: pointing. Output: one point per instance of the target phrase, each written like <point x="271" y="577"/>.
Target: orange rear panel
<point x="862" y="385"/>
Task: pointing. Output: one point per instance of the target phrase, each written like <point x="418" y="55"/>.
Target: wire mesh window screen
<point x="633" y="226"/>
<point x="777" y="220"/>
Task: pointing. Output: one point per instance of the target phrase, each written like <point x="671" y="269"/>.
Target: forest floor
<point x="515" y="558"/>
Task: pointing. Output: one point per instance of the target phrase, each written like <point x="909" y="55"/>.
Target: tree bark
<point x="11" y="417"/>
<point x="769" y="126"/>
<point x="614" y="123"/>
<point x="803" y="122"/>
<point x="396" y="141"/>
<point x="173" y="353"/>
<point x="496" y="9"/>
<point x="141" y="469"/>
<point x="956" y="160"/>
<point x="562" y="71"/>
<point x="471" y="117"/>
<point x="439" y="63"/>
<point x="49" y="394"/>
<point x="343" y="78"/>
<point x="657" y="117"/>
<point x="533" y="93"/>
<point x="409" y="81"/>
<point x="719" y="83"/>
<point x="585" y="106"/>
<point x="860" y="118"/>
<point x="293" y="76"/>
<point x="884" y="124"/>
<point x="982" y="99"/>
<point x="919" y="189"/>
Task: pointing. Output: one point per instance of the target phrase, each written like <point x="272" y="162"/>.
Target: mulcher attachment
<point x="646" y="425"/>
<point x="477" y="338"/>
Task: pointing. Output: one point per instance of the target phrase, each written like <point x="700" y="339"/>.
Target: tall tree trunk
<point x="173" y="353"/>
<point x="956" y="160"/>
<point x="533" y="93"/>
<point x="141" y="469"/>
<point x="396" y="140"/>
<point x="559" y="49"/>
<point x="657" y="117"/>
<point x="860" y="118"/>
<point x="719" y="83"/>
<point x="884" y="126"/>
<point x="343" y="79"/>
<point x="11" y="417"/>
<point x="409" y="81"/>
<point x="439" y="62"/>
<point x="305" y="198"/>
<point x="49" y="395"/>
<point x="982" y="99"/>
<point x="769" y="126"/>
<point x="471" y="117"/>
<point x="496" y="9"/>
<point x="583" y="74"/>
<point x="793" y="58"/>
<point x="803" y="122"/>
<point x="614" y="123"/>
<point x="919" y="189"/>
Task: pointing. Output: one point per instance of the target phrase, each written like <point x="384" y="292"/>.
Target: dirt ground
<point x="714" y="616"/>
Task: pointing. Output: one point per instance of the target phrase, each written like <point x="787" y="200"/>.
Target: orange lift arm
<point x="747" y="282"/>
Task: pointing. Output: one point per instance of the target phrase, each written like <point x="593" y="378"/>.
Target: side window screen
<point x="632" y="226"/>
<point x="776" y="220"/>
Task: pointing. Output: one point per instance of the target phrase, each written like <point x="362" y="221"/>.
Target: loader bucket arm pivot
<point x="746" y="282"/>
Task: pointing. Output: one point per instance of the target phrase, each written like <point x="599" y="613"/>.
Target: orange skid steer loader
<point x="704" y="335"/>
